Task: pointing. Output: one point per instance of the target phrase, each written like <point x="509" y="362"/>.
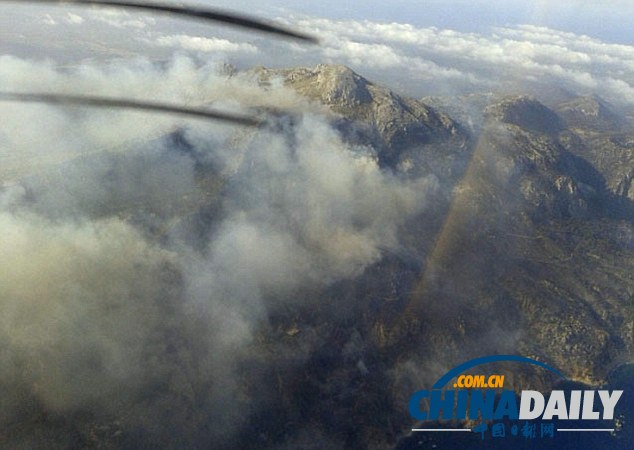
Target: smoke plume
<point x="143" y="256"/>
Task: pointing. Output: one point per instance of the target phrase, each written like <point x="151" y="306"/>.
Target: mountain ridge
<point x="527" y="248"/>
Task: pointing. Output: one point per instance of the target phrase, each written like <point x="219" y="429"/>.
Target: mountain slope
<point x="527" y="247"/>
<point x="403" y="130"/>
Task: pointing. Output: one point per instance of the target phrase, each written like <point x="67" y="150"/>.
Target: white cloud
<point x="482" y="60"/>
<point x="74" y="19"/>
<point x="122" y="19"/>
<point x="419" y="60"/>
<point x="48" y="20"/>
<point x="204" y="44"/>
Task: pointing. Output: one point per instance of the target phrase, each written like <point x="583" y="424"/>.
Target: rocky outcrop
<point x="527" y="113"/>
<point x="401" y="128"/>
<point x="590" y="113"/>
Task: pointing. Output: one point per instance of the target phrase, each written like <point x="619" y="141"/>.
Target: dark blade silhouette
<point x="195" y="12"/>
<point x="104" y="102"/>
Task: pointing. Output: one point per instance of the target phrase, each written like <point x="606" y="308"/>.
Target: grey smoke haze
<point x="106" y="305"/>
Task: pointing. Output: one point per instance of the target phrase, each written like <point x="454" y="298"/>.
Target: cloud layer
<point x="472" y="61"/>
<point x="419" y="60"/>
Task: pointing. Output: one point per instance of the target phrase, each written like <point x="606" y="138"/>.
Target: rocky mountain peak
<point x="525" y="112"/>
<point x="370" y="112"/>
<point x="339" y="85"/>
<point x="589" y="112"/>
<point x="333" y="85"/>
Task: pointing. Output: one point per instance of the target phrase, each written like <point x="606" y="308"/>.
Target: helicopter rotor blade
<point x="106" y="102"/>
